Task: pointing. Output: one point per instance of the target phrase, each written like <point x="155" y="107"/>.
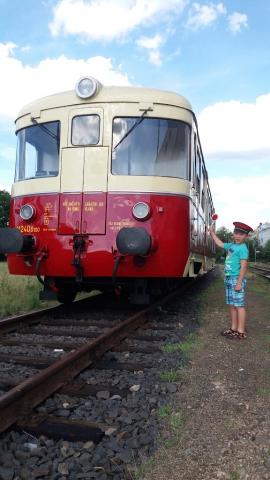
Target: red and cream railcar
<point x="110" y="190"/>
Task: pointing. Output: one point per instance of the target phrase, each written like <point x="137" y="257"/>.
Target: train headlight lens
<point x="86" y="87"/>
<point x="27" y="212"/>
<point x="141" y="211"/>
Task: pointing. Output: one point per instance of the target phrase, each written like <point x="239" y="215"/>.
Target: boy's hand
<point x="238" y="287"/>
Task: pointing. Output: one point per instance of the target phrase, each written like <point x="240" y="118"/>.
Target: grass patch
<point x="263" y="391"/>
<point x="165" y="411"/>
<point x="264" y="336"/>
<point x="18" y="293"/>
<point x="182" y="347"/>
<point x="171" y="376"/>
<point x="259" y="285"/>
<point x="188" y="344"/>
<point x="172" y="347"/>
<point x="177" y="421"/>
<point x="235" y="476"/>
<point x="139" y="467"/>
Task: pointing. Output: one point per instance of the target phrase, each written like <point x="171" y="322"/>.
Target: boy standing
<point x="235" y="282"/>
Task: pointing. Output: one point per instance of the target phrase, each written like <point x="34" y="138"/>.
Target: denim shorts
<point x="237" y="299"/>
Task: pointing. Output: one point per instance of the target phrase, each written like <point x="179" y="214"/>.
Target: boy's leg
<point x="241" y="317"/>
<point x="234" y="317"/>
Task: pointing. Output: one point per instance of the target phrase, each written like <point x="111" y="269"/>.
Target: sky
<point x="215" y="53"/>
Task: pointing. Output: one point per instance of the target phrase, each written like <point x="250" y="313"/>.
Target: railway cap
<point x="242" y="228"/>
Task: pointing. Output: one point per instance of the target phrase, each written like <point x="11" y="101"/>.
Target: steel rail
<point x="20" y="400"/>
<point x="262" y="271"/>
<point x="10" y="323"/>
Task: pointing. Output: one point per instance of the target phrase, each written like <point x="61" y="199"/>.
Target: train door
<point x="83" y="195"/>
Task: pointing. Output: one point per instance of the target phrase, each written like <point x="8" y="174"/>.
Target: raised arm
<point x="217" y="240"/>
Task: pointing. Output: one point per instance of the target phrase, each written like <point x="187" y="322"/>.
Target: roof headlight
<point x="86" y="87"/>
<point x="27" y="212"/>
<point x="141" y="211"/>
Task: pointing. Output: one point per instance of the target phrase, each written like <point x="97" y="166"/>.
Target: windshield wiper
<point x="45" y="129"/>
<point x="140" y="119"/>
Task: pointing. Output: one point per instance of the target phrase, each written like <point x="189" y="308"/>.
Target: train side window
<point x="203" y="198"/>
<point x="85" y="130"/>
<point x="198" y="173"/>
<point x="193" y="159"/>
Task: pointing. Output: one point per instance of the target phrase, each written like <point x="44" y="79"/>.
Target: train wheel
<point x="66" y="295"/>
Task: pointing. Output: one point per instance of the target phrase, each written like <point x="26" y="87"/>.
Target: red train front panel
<point x="98" y="217"/>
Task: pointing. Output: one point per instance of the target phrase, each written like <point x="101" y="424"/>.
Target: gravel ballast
<point x="224" y="398"/>
<point x="131" y="419"/>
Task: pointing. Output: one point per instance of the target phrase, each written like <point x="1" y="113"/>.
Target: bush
<point x="4" y="208"/>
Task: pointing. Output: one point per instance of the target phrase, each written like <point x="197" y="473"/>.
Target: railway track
<point x="263" y="271"/>
<point x="88" y="341"/>
<point x="110" y="376"/>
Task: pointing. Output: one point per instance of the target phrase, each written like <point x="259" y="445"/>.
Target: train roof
<point x="107" y="94"/>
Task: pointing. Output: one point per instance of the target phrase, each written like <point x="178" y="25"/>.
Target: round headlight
<point x="27" y="212"/>
<point x="141" y="211"/>
<point x="86" y="87"/>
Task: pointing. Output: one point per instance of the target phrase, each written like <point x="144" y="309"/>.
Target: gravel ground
<point x="223" y="403"/>
<point x="211" y="422"/>
<point x="131" y="419"/>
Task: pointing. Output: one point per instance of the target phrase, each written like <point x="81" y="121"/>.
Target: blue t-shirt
<point x="235" y="253"/>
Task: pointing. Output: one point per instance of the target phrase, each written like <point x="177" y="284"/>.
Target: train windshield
<point x="155" y="146"/>
<point x="38" y="151"/>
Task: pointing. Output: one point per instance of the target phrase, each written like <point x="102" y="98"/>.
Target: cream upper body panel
<point x="109" y="102"/>
<point x="141" y="184"/>
<point x="36" y="186"/>
<point x="105" y="95"/>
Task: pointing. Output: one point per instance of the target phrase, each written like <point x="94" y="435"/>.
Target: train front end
<point x="102" y="191"/>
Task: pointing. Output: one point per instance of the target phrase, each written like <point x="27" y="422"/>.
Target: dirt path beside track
<point x="223" y="398"/>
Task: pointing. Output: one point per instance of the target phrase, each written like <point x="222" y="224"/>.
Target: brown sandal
<point x="240" y="336"/>
<point x="229" y="333"/>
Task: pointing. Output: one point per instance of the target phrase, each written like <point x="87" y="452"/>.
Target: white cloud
<point x="235" y="138"/>
<point x="233" y="127"/>
<point x="20" y="83"/>
<point x="5" y="186"/>
<point x="25" y="48"/>
<point x="237" y="21"/>
<point x="155" y="58"/>
<point x="152" y="44"/>
<point x="7" y="49"/>
<point x="201" y="16"/>
<point x="245" y="199"/>
<point x="109" y="19"/>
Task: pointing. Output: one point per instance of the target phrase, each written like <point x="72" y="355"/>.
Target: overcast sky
<point x="217" y="54"/>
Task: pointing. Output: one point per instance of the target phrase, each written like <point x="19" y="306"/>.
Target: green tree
<point x="4" y="208"/>
<point x="4" y="212"/>
<point x="252" y="244"/>
<point x="226" y="236"/>
<point x="265" y="252"/>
